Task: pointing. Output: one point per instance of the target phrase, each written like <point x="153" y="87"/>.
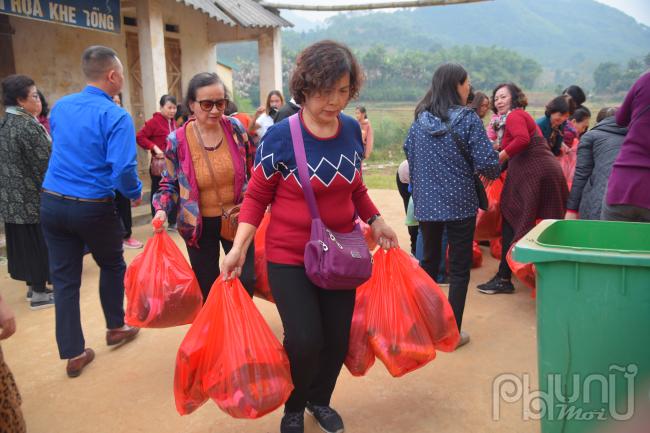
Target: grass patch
<point x="380" y="177"/>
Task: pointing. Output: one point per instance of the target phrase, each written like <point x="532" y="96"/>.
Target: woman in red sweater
<point x="153" y="137"/>
<point x="316" y="321"/>
<point x="535" y="187"/>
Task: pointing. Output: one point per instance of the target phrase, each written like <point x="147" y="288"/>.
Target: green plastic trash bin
<point x="593" y="320"/>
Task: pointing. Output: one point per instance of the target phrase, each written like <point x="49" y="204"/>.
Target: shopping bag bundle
<point x="161" y="288"/>
<point x="525" y="272"/>
<point x="262" y="286"/>
<point x="231" y="356"/>
<point x="488" y="222"/>
<point x="401" y="315"/>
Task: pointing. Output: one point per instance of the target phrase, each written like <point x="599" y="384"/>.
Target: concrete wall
<point x="51" y="55"/>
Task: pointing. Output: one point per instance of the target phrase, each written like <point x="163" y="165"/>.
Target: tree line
<point x="405" y="75"/>
<point x="610" y="77"/>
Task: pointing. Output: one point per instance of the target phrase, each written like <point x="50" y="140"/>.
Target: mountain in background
<point x="562" y="35"/>
<point x="557" y="33"/>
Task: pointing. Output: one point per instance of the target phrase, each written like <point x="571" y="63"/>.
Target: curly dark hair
<point x="15" y="87"/>
<point x="519" y="98"/>
<point x="320" y="66"/>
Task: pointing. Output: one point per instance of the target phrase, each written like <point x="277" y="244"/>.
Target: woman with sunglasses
<point x="207" y="157"/>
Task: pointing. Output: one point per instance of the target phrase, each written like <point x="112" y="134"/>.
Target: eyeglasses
<point x="208" y="104"/>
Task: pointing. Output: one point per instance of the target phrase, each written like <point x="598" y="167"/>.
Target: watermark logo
<point x="556" y="403"/>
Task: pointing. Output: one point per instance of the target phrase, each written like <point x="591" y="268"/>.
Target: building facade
<point x="162" y="43"/>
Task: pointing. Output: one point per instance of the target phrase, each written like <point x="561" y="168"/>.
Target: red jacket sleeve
<point x="142" y="137"/>
<point x="362" y="202"/>
<point x="259" y="194"/>
<point x="519" y="135"/>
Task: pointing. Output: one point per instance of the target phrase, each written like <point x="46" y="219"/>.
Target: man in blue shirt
<point x="93" y="154"/>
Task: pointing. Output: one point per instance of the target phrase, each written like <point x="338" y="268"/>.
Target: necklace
<point x="200" y="134"/>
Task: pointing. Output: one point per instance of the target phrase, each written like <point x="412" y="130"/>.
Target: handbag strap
<point x="197" y="131"/>
<point x="301" y="163"/>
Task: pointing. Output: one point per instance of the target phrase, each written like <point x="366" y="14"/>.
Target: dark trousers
<point x="155" y="185"/>
<point x="205" y="258"/>
<point x="123" y="206"/>
<point x="460" y="235"/>
<point x="316" y="333"/>
<point x="68" y="226"/>
<point x="507" y="238"/>
<point x="403" y="189"/>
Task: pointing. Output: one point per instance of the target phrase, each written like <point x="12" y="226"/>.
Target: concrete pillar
<point x="153" y="66"/>
<point x="269" y="46"/>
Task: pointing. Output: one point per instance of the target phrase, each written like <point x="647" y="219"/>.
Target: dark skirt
<point x="27" y="253"/>
<point x="535" y="188"/>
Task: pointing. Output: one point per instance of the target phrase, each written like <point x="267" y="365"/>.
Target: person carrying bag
<point x="316" y="254"/>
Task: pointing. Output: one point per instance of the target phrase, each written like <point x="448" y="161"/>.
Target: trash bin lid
<point x="607" y="242"/>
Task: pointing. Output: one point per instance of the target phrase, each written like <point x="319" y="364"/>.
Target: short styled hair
<point x="320" y="66"/>
<point x="560" y="104"/>
<point x="97" y="60"/>
<point x="164" y="99"/>
<point x="15" y="87"/>
<point x="604" y="113"/>
<point x="519" y="98"/>
<point x="581" y="114"/>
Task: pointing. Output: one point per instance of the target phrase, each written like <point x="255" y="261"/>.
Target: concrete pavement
<point x="130" y="389"/>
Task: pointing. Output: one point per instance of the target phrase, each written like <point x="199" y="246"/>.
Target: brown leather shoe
<point x="76" y="365"/>
<point x="121" y="335"/>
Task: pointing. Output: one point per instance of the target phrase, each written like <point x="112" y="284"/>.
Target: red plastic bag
<point x="488" y="222"/>
<point x="367" y="233"/>
<point x="407" y="314"/>
<point x="161" y="289"/>
<point x="477" y="255"/>
<point x="360" y="356"/>
<point x="230" y="355"/>
<point x="495" y="248"/>
<point x="525" y="272"/>
<point x="568" y="163"/>
<point x="262" y="286"/>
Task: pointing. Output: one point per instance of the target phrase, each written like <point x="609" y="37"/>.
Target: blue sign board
<point x="103" y="15"/>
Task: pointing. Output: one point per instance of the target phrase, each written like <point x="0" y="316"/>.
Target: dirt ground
<point x="129" y="389"/>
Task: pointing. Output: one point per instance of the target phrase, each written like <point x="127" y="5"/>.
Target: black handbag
<point x="478" y="183"/>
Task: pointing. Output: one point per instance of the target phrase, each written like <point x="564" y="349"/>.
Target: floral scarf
<point x="498" y="124"/>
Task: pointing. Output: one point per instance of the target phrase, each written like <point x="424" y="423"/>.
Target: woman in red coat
<point x="535" y="187"/>
<point x="153" y="137"/>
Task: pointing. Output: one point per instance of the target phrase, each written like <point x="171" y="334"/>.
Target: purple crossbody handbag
<point x="333" y="260"/>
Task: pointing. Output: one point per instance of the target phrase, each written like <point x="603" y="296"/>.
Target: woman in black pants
<point x="316" y="321"/>
<point x="446" y="145"/>
<point x="205" y="179"/>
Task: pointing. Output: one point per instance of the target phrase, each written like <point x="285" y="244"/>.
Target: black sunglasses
<point x="208" y="104"/>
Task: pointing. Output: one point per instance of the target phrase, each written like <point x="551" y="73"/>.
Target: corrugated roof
<point x="210" y="8"/>
<point x="249" y="13"/>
